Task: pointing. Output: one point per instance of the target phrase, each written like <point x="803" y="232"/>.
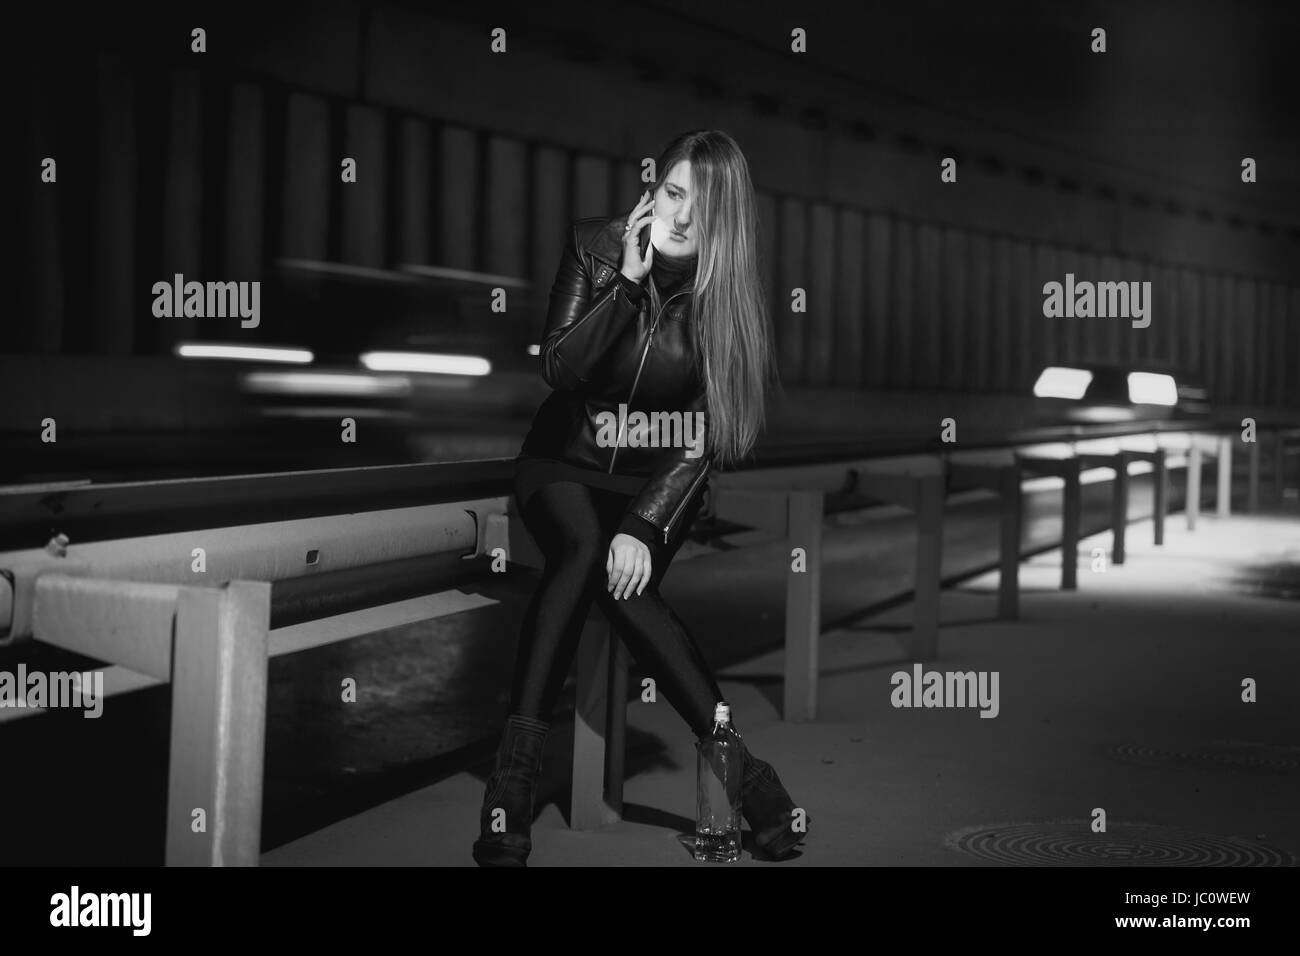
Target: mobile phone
<point x="643" y="241"/>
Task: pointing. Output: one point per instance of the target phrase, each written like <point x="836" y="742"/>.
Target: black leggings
<point x="573" y="525"/>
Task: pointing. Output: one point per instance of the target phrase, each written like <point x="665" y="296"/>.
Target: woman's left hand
<point x="628" y="566"/>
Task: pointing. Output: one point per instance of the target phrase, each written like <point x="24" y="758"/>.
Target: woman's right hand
<point x="628" y="566"/>
<point x="642" y="215"/>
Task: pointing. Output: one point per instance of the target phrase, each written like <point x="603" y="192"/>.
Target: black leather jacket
<point x="602" y="347"/>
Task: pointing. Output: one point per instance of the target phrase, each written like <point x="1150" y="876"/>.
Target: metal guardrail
<point x="137" y="600"/>
<point x="790" y="502"/>
<point x="31" y="514"/>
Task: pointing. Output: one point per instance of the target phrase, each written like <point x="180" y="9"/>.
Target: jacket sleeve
<point x="675" y="480"/>
<point x="639" y="528"/>
<point x="579" y="332"/>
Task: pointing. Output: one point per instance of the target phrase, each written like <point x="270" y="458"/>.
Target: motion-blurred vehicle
<point x="1110" y="392"/>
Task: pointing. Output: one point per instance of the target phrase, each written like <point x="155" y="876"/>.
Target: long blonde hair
<point x="731" y="327"/>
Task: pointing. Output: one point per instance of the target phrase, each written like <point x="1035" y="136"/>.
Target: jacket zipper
<point x="612" y="290"/>
<point x="637" y="377"/>
<point x="690" y="493"/>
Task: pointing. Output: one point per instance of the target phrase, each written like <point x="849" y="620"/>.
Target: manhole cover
<point x="1232" y="755"/>
<point x="1072" y="843"/>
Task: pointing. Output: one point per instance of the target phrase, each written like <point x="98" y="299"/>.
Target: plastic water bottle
<point x="720" y="769"/>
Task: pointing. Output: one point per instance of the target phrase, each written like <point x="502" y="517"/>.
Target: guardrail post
<point x="1069" y="471"/>
<point x="1160" y="475"/>
<point x="1009" y="570"/>
<point x="1119" y="507"/>
<point x="1225" y="477"/>
<point x="806" y="512"/>
<point x="597" y="655"/>
<point x="1071" y="508"/>
<point x="616" y="741"/>
<point x="1193" y="507"/>
<point x="218" y="732"/>
<point x="1004" y="478"/>
<point x="929" y="561"/>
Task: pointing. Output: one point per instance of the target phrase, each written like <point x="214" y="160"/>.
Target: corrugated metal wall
<point x="215" y="179"/>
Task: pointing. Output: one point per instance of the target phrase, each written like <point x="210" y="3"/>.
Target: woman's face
<point x="674" y="205"/>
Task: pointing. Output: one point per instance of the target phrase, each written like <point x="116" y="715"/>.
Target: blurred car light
<point x="326" y="383"/>
<point x="435" y="362"/>
<point x="247" y="353"/>
<point x="1058" y="382"/>
<point x="1152" y="388"/>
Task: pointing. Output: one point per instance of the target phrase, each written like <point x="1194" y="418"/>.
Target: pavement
<point x="1121" y="734"/>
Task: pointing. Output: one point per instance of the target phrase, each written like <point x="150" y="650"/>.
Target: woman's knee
<point x="563" y="522"/>
<point x="571" y="550"/>
<point x="585" y="555"/>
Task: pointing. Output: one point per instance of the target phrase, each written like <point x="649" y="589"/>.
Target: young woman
<point x="660" y="312"/>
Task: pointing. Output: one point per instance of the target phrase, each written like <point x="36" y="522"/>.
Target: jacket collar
<point x="607" y="244"/>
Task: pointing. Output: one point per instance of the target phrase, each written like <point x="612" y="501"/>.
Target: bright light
<point x="325" y="383"/>
<point x="333" y="412"/>
<point x="534" y="349"/>
<point x="441" y="364"/>
<point x="1152" y="388"/>
<point x="246" y="353"/>
<point x="1103" y="413"/>
<point x="1058" y="382"/>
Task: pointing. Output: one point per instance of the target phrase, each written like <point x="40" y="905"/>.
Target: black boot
<point x="766" y="807"/>
<point x="512" y="788"/>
